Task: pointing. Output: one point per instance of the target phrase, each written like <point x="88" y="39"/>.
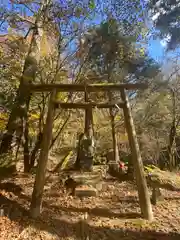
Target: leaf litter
<point x="113" y="214"/>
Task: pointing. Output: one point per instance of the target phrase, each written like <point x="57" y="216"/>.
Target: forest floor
<point x="113" y="214"/>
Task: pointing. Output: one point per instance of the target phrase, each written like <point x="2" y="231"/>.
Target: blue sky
<point x="155" y="47"/>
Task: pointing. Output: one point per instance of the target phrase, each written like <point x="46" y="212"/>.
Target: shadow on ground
<point x="99" y="212"/>
<point x="64" y="227"/>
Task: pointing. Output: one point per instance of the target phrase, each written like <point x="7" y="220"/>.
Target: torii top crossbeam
<point x="88" y="87"/>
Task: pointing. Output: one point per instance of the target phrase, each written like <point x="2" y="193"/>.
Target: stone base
<point x="99" y="186"/>
<point x="89" y="183"/>
<point x="156" y="196"/>
<point x="88" y="179"/>
<point x="85" y="191"/>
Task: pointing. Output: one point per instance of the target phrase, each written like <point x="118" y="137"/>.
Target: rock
<point x="85" y="191"/>
<point x="2" y="213"/>
<point x="156" y="196"/>
<point x="157" y="178"/>
<point x="99" y="186"/>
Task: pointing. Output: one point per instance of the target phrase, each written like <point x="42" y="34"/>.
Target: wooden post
<point x="144" y="197"/>
<point x="114" y="137"/>
<point x="35" y="208"/>
<point x="88" y="130"/>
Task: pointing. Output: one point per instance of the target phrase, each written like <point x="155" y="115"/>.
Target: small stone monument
<point x="86" y="153"/>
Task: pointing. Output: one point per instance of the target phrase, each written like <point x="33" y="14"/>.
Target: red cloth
<point x="121" y="165"/>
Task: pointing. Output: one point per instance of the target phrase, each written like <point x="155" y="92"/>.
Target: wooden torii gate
<point x="144" y="198"/>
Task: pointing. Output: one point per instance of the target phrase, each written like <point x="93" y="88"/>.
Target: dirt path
<point x="114" y="214"/>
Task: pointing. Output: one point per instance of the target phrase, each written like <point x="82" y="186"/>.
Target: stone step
<point x="92" y="178"/>
<point x="86" y="191"/>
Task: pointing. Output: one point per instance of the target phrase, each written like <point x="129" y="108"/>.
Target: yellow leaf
<point x="32" y="132"/>
<point x="9" y="32"/>
<point x="61" y="96"/>
<point x="34" y="116"/>
<point x="61" y="75"/>
<point x="4" y="116"/>
<point x="123" y="137"/>
<point x="178" y="129"/>
<point x="66" y="160"/>
<point x="117" y="117"/>
<point x="44" y="45"/>
<point x="95" y="118"/>
<point x="3" y="121"/>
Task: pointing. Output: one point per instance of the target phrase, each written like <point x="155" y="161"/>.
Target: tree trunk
<point x="172" y="135"/>
<point x="15" y="116"/>
<point x="23" y="93"/>
<point x="35" y="150"/>
<point x="171" y="148"/>
<point x="144" y="198"/>
<point x="26" y="148"/>
<point x="35" y="208"/>
<point x="25" y="120"/>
